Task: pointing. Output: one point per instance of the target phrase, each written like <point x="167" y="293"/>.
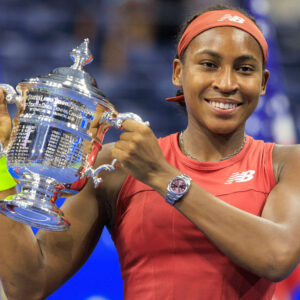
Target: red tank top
<point x="163" y="256"/>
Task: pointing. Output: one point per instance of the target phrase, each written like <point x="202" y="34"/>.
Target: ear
<point x="177" y="71"/>
<point x="266" y="76"/>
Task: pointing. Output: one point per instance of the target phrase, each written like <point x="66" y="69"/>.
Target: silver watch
<point x="177" y="188"/>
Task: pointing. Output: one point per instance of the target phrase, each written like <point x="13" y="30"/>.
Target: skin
<point x="264" y="245"/>
<point x="218" y="69"/>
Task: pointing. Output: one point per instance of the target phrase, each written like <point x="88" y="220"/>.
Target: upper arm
<point x="283" y="203"/>
<point x="65" y="252"/>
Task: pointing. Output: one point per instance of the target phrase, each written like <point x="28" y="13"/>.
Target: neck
<point x="203" y="145"/>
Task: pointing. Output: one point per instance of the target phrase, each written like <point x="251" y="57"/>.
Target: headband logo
<point x="231" y="18"/>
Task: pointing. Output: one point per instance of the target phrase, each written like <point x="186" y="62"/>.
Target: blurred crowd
<point x="133" y="42"/>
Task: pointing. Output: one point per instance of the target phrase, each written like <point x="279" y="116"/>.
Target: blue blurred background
<point x="133" y="42"/>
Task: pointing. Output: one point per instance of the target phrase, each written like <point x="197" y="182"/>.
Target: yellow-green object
<point x="6" y="180"/>
<point x="2" y="295"/>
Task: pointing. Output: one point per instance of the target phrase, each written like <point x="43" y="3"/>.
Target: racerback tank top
<point x="163" y="256"/>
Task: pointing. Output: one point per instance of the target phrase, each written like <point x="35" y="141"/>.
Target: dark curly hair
<point x="191" y="19"/>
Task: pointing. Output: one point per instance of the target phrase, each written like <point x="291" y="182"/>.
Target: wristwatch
<point x="177" y="188"/>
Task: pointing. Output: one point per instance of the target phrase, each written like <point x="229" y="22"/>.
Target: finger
<point x="15" y="121"/>
<point x="3" y="103"/>
<point x="21" y="106"/>
<point x="92" y="132"/>
<point x="119" y="154"/>
<point x="123" y="145"/>
<point x="97" y="116"/>
<point x="127" y="136"/>
<point x="97" y="129"/>
<point x="2" y="95"/>
<point x="132" y="125"/>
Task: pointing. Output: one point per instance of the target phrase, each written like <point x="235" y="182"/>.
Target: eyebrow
<point x="217" y="55"/>
<point x="247" y="57"/>
<point x="209" y="52"/>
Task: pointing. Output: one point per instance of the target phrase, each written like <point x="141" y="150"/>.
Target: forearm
<point x="250" y="241"/>
<point x="38" y="265"/>
<point x="20" y="258"/>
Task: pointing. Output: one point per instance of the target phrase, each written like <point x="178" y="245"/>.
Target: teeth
<point x="222" y="105"/>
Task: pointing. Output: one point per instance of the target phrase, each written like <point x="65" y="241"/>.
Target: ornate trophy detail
<point x="50" y="150"/>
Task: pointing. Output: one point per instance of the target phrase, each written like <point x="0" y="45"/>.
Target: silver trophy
<point x="50" y="150"/>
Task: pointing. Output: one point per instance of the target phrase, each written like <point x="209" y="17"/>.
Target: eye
<point x="246" y="69"/>
<point x="208" y="64"/>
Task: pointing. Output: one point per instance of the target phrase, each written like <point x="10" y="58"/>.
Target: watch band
<point x="177" y="188"/>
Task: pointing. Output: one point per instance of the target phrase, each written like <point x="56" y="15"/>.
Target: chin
<point x="223" y="130"/>
<point x="225" y="126"/>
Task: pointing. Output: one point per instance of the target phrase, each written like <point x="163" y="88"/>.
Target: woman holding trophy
<point x="207" y="213"/>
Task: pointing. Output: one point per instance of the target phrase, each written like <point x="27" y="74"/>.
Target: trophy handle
<point x="90" y="172"/>
<point x="11" y="94"/>
<point x="115" y="120"/>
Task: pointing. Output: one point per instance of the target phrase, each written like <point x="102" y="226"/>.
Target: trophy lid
<point x="73" y="82"/>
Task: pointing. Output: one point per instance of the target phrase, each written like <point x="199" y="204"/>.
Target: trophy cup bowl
<point x="50" y="150"/>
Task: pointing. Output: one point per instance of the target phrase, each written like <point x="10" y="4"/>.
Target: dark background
<point x="133" y="42"/>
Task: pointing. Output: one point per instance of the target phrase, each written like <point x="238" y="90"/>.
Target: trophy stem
<point x="35" y="205"/>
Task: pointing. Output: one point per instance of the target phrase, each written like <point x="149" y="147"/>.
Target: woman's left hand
<point x="139" y="153"/>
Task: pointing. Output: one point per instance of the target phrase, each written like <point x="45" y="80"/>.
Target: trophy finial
<point x="81" y="55"/>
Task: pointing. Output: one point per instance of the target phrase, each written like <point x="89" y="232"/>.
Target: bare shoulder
<point x="286" y="158"/>
<point x="112" y="183"/>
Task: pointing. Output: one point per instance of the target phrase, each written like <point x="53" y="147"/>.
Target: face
<point x="222" y="78"/>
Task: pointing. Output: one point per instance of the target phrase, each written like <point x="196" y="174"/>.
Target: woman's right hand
<point x="5" y="120"/>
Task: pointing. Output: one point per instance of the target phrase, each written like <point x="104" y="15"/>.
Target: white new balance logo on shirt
<point x="241" y="177"/>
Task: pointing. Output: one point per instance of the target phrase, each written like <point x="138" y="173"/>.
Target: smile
<point x="223" y="105"/>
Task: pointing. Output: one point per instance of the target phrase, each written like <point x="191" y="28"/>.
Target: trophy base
<point x="35" y="205"/>
<point x="34" y="216"/>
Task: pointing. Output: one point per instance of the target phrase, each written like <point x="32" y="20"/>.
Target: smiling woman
<point x="222" y="53"/>
<point x="221" y="85"/>
<point x="208" y="213"/>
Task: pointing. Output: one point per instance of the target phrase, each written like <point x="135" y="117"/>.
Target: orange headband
<point x="219" y="18"/>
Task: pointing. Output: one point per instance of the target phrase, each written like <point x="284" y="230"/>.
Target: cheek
<point x="252" y="90"/>
<point x="188" y="83"/>
<point x="194" y="83"/>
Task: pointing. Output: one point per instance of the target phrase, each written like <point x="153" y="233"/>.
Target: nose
<point x="225" y="81"/>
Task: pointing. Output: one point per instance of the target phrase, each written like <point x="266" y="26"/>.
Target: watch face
<point x="178" y="185"/>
